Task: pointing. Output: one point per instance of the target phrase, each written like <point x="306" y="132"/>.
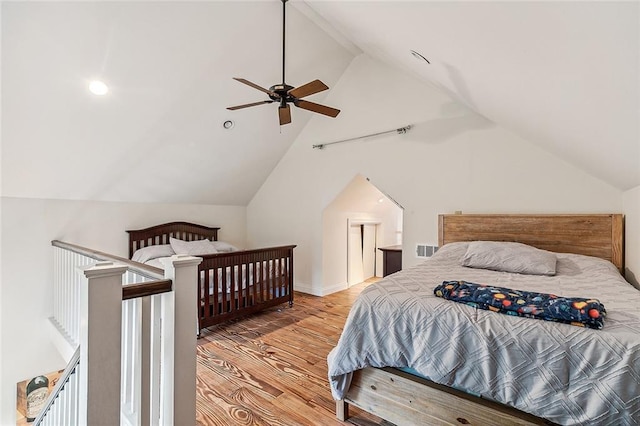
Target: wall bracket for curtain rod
<point x="400" y="131"/>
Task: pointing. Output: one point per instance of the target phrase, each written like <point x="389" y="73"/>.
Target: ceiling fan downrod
<point x="284" y="21"/>
<point x="285" y="94"/>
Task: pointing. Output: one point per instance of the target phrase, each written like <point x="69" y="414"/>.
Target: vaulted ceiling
<point x="158" y="135"/>
<point x="563" y="75"/>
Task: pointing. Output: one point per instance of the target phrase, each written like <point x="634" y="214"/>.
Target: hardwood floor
<point x="271" y="368"/>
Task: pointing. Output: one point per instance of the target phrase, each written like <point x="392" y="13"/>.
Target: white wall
<point x="453" y="159"/>
<point x="358" y="201"/>
<point x="631" y="209"/>
<point x="28" y="226"/>
<point x="1" y="351"/>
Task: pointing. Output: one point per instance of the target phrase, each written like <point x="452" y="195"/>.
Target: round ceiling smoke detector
<point x="228" y="124"/>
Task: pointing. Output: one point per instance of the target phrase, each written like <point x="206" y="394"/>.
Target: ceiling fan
<point x="285" y="94"/>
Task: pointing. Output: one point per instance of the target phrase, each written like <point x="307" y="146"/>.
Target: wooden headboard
<point x="598" y="235"/>
<point x="160" y="234"/>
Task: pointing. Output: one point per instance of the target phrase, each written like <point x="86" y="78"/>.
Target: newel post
<point x="179" y="327"/>
<point x="100" y="343"/>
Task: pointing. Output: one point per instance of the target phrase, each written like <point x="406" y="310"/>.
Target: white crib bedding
<point x="156" y="262"/>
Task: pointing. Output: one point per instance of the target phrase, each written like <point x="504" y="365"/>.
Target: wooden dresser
<point x="391" y="259"/>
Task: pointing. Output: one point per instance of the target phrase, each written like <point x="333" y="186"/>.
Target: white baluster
<point x="155" y="357"/>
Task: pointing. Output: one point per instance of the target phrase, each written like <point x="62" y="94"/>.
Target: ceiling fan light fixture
<point x="419" y="56"/>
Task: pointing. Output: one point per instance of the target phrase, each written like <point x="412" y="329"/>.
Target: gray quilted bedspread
<point x="566" y="374"/>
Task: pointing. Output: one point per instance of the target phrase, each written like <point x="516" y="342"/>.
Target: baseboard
<point x="305" y="288"/>
<point x="334" y="288"/>
<point x="309" y="289"/>
<point x="61" y="340"/>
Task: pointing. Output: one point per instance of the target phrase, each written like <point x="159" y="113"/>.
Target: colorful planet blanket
<point x="570" y="310"/>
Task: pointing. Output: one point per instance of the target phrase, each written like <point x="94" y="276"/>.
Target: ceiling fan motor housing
<point x="281" y="91"/>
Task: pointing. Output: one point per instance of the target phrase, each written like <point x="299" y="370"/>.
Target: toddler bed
<point x="412" y="357"/>
<point x="232" y="283"/>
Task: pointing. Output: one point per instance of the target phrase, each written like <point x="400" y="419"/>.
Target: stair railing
<point x="133" y="339"/>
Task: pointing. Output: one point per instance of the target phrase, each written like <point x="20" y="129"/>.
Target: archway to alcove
<point x="360" y="220"/>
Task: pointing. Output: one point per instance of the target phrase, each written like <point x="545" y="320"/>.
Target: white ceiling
<point x="564" y="75"/>
<point x="157" y="136"/>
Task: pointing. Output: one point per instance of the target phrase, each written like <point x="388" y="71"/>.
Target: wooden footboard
<point x="240" y="283"/>
<point x="405" y="399"/>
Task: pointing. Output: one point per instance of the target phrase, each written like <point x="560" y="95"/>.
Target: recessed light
<point x="228" y="124"/>
<point x="381" y="200"/>
<point x="419" y="56"/>
<point x="97" y="87"/>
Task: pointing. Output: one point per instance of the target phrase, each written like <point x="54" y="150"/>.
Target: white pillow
<point x="223" y="247"/>
<point x="509" y="257"/>
<point x="193" y="248"/>
<point x="148" y="253"/>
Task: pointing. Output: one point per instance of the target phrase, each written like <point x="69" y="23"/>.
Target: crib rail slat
<point x="244" y="282"/>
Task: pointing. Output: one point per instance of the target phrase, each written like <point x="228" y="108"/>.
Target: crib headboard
<point x="160" y="234"/>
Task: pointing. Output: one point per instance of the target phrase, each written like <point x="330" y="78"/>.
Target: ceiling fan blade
<point x="284" y="112"/>
<point x="249" y="105"/>
<point x="321" y="109"/>
<point x="255" y="86"/>
<point x="308" y="89"/>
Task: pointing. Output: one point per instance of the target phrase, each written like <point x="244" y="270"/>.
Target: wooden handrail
<point x="149" y="288"/>
<point x="62" y="381"/>
<point x="144" y="270"/>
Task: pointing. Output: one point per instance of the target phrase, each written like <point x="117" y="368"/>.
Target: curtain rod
<point x="400" y="131"/>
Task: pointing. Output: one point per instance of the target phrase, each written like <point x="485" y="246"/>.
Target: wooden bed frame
<point x="268" y="273"/>
<point x="405" y="399"/>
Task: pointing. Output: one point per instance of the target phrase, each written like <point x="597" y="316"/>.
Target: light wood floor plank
<point x="271" y="369"/>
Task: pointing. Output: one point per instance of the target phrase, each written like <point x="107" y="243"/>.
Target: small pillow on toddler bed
<point x="509" y="257"/>
<point x="193" y="248"/>
<point x="223" y="247"/>
<point x="148" y="253"/>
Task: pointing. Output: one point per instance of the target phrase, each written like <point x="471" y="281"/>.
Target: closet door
<point x="368" y="251"/>
<point x="356" y="271"/>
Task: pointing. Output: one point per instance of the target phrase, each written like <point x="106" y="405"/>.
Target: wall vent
<point x="425" y="250"/>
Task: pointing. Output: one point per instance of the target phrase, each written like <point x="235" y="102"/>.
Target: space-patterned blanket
<point x="545" y="306"/>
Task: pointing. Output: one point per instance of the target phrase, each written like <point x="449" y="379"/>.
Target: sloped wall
<point x="453" y="159"/>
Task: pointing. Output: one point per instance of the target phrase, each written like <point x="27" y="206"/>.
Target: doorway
<point x="377" y="221"/>
<point x="362" y="251"/>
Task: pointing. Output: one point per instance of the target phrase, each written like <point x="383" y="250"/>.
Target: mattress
<point x="566" y="374"/>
